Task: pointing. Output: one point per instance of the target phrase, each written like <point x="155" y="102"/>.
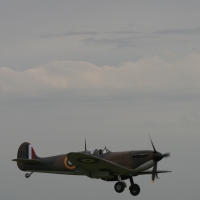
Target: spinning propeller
<point x="157" y="156"/>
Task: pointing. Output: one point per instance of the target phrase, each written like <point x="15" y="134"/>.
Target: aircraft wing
<point x="150" y="172"/>
<point x="91" y="164"/>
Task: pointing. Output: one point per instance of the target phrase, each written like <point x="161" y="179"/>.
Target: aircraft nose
<point x="157" y="156"/>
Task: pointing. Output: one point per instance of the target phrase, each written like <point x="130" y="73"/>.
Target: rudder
<point x="25" y="151"/>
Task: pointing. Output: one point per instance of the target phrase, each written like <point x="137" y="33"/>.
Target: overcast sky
<point x="108" y="71"/>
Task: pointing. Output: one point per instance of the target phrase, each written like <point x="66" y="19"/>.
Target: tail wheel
<point x="27" y="175"/>
<point x="119" y="187"/>
<point x="134" y="189"/>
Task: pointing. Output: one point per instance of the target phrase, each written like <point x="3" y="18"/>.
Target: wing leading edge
<point x="92" y="164"/>
<point x="97" y="167"/>
<point x="150" y="172"/>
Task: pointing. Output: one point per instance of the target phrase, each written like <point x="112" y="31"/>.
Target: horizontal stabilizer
<point x="29" y="161"/>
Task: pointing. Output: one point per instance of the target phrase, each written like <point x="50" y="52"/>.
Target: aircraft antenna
<point x="85" y="146"/>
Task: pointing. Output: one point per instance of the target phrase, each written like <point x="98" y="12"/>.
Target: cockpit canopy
<point x="98" y="151"/>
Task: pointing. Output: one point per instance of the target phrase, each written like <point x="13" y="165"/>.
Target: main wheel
<point x="134" y="189"/>
<point x="119" y="187"/>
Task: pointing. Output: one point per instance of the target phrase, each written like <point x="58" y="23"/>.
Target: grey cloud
<point x="191" y="31"/>
<point x="134" y="38"/>
<point x="128" y="32"/>
<point x="119" y="42"/>
<point x="124" y="32"/>
<point x="127" y="38"/>
<point x="70" y="33"/>
<point x="75" y="33"/>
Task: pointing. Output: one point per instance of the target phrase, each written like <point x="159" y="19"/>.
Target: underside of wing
<point x="97" y="167"/>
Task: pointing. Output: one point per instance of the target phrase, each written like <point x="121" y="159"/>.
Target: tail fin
<point x="26" y="154"/>
<point x="26" y="151"/>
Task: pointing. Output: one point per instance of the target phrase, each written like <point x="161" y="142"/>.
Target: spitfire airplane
<point x="99" y="163"/>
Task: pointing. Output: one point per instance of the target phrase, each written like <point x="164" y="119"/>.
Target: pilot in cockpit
<point x="100" y="151"/>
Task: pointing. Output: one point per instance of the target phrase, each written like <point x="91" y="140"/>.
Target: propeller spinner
<point x="157" y="156"/>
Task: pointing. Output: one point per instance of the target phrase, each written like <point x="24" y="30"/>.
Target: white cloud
<point x="152" y="73"/>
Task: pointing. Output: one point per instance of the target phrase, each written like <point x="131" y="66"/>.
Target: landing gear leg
<point x="120" y="185"/>
<point x="134" y="188"/>
<point x="27" y="175"/>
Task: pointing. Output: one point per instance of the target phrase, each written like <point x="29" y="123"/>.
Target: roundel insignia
<point x="88" y="160"/>
<point x="68" y="164"/>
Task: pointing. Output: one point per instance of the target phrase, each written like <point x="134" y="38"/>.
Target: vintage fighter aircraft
<point x="99" y="163"/>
